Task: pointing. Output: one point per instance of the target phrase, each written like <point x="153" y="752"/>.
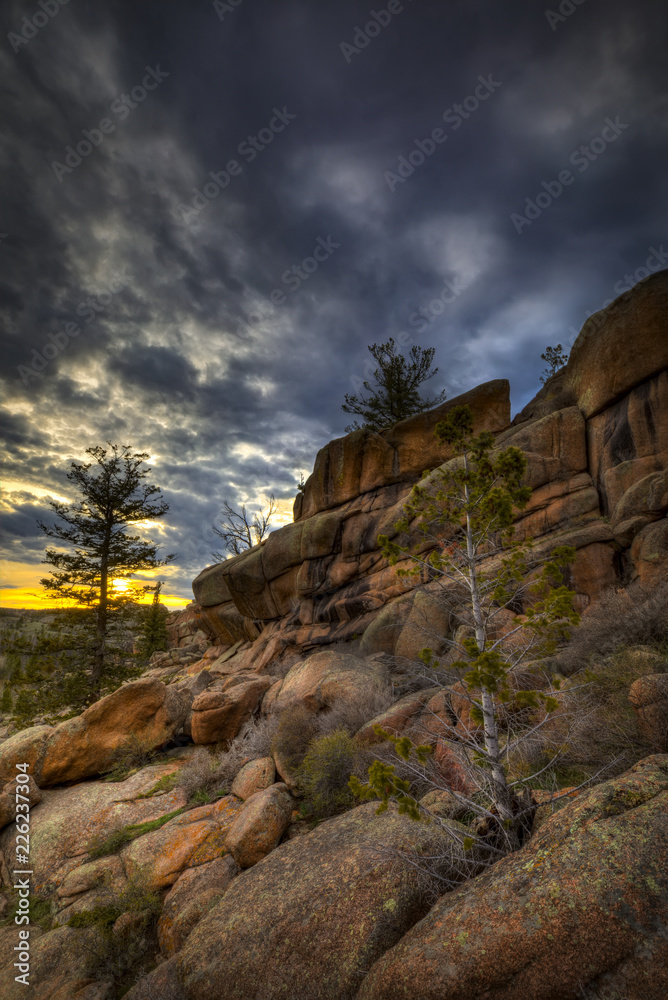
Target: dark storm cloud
<point x="142" y="276"/>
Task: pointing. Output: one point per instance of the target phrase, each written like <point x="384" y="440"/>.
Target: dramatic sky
<point x="166" y="166"/>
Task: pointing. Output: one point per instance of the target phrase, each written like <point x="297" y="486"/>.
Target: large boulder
<point x="558" y="504"/>
<point x="397" y="718"/>
<point x="28" y="746"/>
<point x="627" y="442"/>
<point x="649" y="553"/>
<point x="554" y="395"/>
<point x="262" y="822"/>
<point x="408" y="624"/>
<point x="364" y="460"/>
<point x="68" y="819"/>
<point x="228" y="624"/>
<point x="555" y="446"/>
<point x="210" y="586"/>
<point x="324" y="678"/>
<point x="621" y="346"/>
<point x="310" y="919"/>
<point x="88" y="744"/>
<point x="646" y="498"/>
<point x="592" y="572"/>
<point x="218" y="715"/>
<point x="649" y="699"/>
<point x="13" y="794"/>
<point x="244" y="576"/>
<point x="254" y="777"/>
<point x="193" y="838"/>
<point x="585" y="903"/>
<point x="59" y="966"/>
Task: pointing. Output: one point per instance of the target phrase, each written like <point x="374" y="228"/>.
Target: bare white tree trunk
<point x="501" y="792"/>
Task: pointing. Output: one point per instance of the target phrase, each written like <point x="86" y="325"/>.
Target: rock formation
<point x="596" y="437"/>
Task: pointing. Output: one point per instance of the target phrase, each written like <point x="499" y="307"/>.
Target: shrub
<point x="254" y="741"/>
<point x="352" y="714"/>
<point x="296" y="727"/>
<point x="207" y="774"/>
<point x="594" y="735"/>
<point x="325" y="770"/>
<point x="136" y="752"/>
<point x="633" y="617"/>
<point x="102" y="917"/>
<point x="111" y="955"/>
<point x="200" y="774"/>
<point x="608" y="735"/>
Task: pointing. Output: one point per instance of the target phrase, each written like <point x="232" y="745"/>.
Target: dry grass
<point x="352" y="714"/>
<point x="209" y="774"/>
<point x="635" y="617"/>
<point x="201" y="775"/>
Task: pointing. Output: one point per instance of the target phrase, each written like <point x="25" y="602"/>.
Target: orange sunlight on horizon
<point x="27" y="594"/>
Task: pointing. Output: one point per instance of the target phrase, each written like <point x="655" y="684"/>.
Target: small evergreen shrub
<point x="325" y="771"/>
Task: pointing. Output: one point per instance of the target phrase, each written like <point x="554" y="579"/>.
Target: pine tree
<point x="556" y="358"/>
<point x="153" y="637"/>
<point x="395" y="389"/>
<point x="463" y="514"/>
<point x="96" y="527"/>
<point x="6" y="703"/>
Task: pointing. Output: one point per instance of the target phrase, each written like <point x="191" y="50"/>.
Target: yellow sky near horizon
<point x="27" y="594"/>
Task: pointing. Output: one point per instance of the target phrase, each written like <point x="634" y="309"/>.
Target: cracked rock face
<point x="585" y="902"/>
<point x="311" y="918"/>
